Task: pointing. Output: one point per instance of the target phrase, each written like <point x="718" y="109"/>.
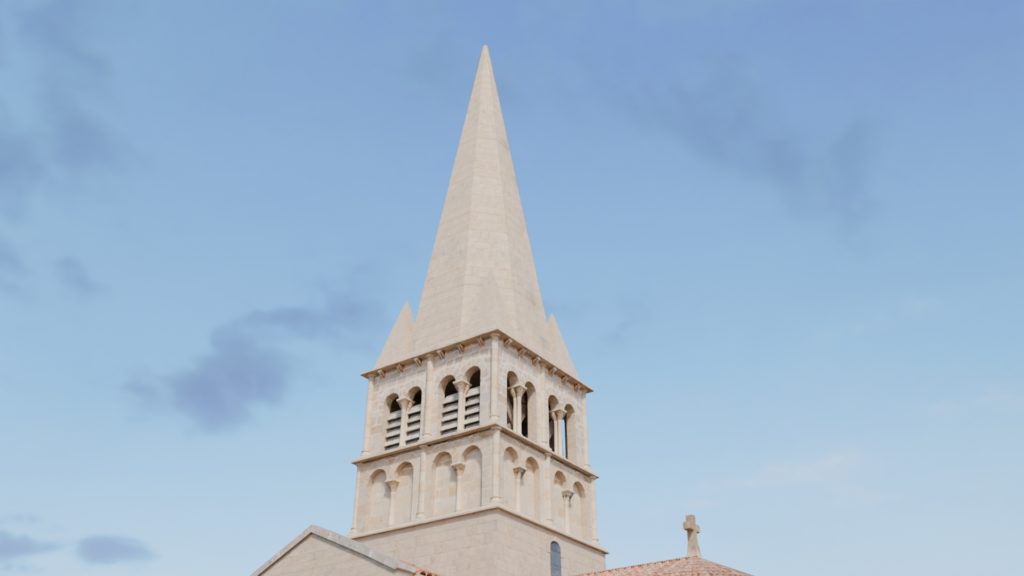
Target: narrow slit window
<point x="556" y="559"/>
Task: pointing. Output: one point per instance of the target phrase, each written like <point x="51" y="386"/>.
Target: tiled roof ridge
<point x="628" y="566"/>
<point x="626" y="569"/>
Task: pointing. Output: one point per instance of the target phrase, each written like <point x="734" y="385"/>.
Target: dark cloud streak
<point x="20" y="168"/>
<point x="718" y="112"/>
<point x="12" y="268"/>
<point x="74" y="276"/>
<point x="14" y="546"/>
<point x="112" y="550"/>
<point x="59" y="133"/>
<point x="247" y="365"/>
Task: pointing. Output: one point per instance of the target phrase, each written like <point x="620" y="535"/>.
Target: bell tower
<point x="474" y="457"/>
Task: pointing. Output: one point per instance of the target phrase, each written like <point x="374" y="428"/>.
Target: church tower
<point x="474" y="458"/>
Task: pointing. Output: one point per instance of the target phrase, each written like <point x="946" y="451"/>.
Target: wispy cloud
<point x="75" y="277"/>
<point x="60" y="132"/>
<point x="718" y="112"/>
<point x="20" y="167"/>
<point x="12" y="268"/>
<point x="57" y="132"/>
<point x="832" y="467"/>
<point x="17" y="546"/>
<point x="988" y="400"/>
<point x="247" y="365"/>
<point x="112" y="550"/>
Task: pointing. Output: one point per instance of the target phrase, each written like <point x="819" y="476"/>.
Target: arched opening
<point x="393" y="430"/>
<point x="472" y="479"/>
<point x="568" y="425"/>
<point x="530" y="496"/>
<point x="508" y="478"/>
<point x="444" y="485"/>
<point x="556" y="559"/>
<point x="510" y="396"/>
<point x="413" y="421"/>
<point x="558" y="501"/>
<point x="449" y="406"/>
<point x="472" y="414"/>
<point x="552" y="405"/>
<point x="580" y="510"/>
<point x="527" y="404"/>
<point x="404" y="501"/>
<point x="378" y="502"/>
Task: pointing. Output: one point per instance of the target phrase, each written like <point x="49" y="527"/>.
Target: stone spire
<point x="481" y="275"/>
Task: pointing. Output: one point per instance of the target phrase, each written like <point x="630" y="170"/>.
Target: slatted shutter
<point x="473" y="402"/>
<point x="450" y="410"/>
<point x="412" y="431"/>
<point x="394" y="429"/>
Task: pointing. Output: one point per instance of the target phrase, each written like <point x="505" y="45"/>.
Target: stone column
<point x="371" y="402"/>
<point x="424" y="484"/>
<point x="357" y="522"/>
<point x="517" y="408"/>
<point x="405" y="404"/>
<point x="567" y="499"/>
<point x="431" y="392"/>
<point x="496" y="465"/>
<point x="593" y="512"/>
<point x="546" y="486"/>
<point x="519" y="471"/>
<point x="392" y="496"/>
<point x="583" y="434"/>
<point x="459" y="469"/>
<point x="463" y="388"/>
<point x="496" y="388"/>
<point x="559" y="418"/>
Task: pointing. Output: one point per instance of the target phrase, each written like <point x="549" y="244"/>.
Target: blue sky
<point x="784" y="242"/>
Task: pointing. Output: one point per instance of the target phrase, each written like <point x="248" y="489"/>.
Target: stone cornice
<point x="587" y="473"/>
<point x="461" y="345"/>
<point x="344" y="542"/>
<point x="475" y="512"/>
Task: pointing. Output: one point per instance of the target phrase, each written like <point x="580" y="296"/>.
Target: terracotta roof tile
<point x="687" y="566"/>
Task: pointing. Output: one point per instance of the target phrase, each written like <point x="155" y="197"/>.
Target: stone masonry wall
<point x="492" y="542"/>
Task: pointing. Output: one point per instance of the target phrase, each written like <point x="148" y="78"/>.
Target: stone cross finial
<point x="692" y="529"/>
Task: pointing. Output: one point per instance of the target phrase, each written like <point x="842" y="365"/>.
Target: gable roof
<point x="358" y="548"/>
<point x="686" y="566"/>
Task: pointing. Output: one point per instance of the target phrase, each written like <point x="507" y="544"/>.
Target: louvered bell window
<point x="394" y="429"/>
<point x="412" y="432"/>
<point x="473" y="402"/>
<point x="450" y="410"/>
